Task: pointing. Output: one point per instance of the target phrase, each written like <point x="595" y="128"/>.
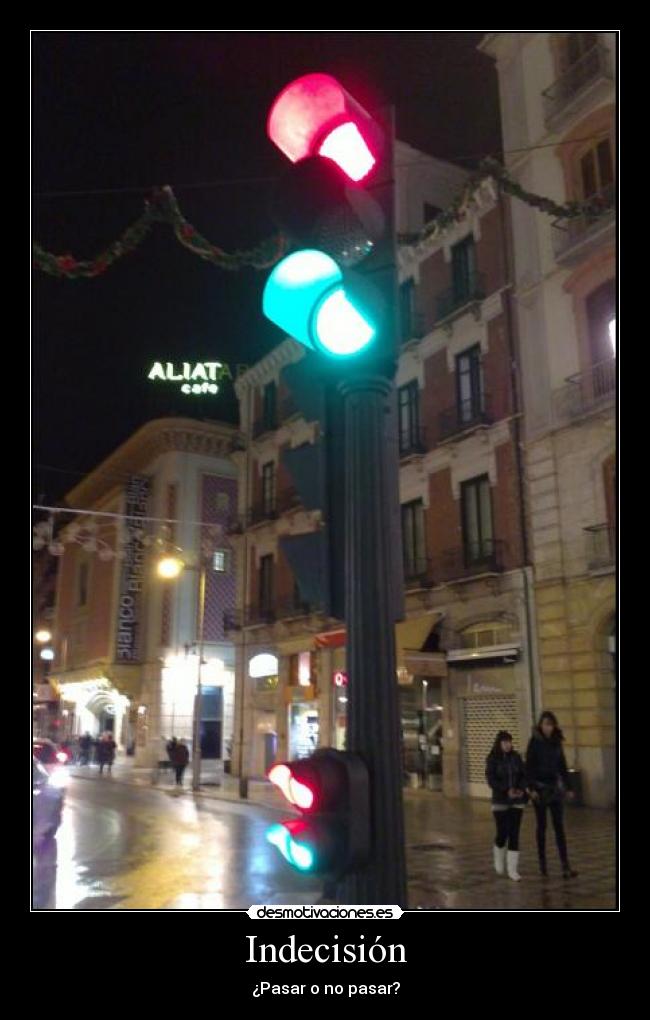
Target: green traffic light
<point x="305" y="296"/>
<point x="297" y="854"/>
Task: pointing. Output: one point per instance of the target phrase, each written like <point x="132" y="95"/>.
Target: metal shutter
<point x="483" y="717"/>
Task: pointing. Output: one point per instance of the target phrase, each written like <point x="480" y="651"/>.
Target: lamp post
<point x="170" y="567"/>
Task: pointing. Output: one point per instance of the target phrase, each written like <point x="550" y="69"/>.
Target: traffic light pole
<point x="373" y="727"/>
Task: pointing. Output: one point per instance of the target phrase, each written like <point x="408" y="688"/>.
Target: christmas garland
<point x="161" y="207"/>
<point x="491" y="168"/>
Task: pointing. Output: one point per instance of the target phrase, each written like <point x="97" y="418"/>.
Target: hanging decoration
<point x="160" y="207"/>
<point x="490" y="170"/>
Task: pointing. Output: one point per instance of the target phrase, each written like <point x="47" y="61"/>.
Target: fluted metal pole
<point x="373" y="727"/>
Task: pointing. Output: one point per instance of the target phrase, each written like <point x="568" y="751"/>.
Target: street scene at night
<point x="324" y="470"/>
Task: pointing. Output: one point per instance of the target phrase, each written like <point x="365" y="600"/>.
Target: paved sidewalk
<point x="449" y="846"/>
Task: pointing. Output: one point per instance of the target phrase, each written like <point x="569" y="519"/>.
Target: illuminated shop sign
<point x="340" y="679"/>
<point x="198" y="377"/>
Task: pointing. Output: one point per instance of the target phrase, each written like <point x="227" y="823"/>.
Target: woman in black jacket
<point x="547" y="779"/>
<point x="505" y="774"/>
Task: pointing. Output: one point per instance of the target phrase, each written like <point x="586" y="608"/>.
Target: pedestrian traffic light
<point x="331" y="790"/>
<point x="335" y="205"/>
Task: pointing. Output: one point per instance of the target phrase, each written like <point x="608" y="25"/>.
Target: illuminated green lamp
<point x="306" y="297"/>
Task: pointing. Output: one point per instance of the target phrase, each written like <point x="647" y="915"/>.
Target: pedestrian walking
<point x="547" y="778"/>
<point x="85" y="747"/>
<point x="506" y="776"/>
<point x="106" y="752"/>
<point x="179" y="757"/>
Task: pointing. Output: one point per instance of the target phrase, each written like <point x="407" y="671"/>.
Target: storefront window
<point x="303" y="730"/>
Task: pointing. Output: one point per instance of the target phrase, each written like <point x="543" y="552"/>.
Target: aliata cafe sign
<point x="198" y="377"/>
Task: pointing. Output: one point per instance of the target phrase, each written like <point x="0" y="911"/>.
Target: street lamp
<point x="43" y="636"/>
<point x="169" y="568"/>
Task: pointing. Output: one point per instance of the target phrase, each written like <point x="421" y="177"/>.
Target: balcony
<point x="267" y="423"/>
<point x="288" y="500"/>
<point x="465" y="416"/>
<point x="263" y="510"/>
<point x="289" y="409"/>
<point x="413" y="442"/>
<point x="413" y="329"/>
<point x="418" y="573"/>
<point x="600" y="546"/>
<point x="574" y="238"/>
<point x="457" y="300"/>
<point x="235" y="619"/>
<point x="473" y="560"/>
<point x="293" y="609"/>
<point x="586" y="392"/>
<point x="565" y="95"/>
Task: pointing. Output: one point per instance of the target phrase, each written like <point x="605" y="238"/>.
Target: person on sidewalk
<point x="547" y="779"/>
<point x="85" y="747"/>
<point x="106" y="752"/>
<point x="179" y="756"/>
<point x="506" y="777"/>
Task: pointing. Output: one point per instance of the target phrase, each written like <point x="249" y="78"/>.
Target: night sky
<point x="124" y="111"/>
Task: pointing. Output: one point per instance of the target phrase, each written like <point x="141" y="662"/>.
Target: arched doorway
<point x="98" y="707"/>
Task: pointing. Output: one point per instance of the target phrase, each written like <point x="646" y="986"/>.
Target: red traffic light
<point x="314" y="115"/>
<point x="294" y="789"/>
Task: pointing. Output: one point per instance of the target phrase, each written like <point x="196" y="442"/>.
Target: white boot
<point x="513" y="861"/>
<point x="499" y="859"/>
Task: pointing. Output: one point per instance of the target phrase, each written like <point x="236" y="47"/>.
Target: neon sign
<point x="200" y="377"/>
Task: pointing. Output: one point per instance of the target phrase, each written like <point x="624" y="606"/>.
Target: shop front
<point x="263" y="680"/>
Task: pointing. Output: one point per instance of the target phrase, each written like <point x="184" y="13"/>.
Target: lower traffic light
<point x="331" y="790"/>
<point x="307" y="296"/>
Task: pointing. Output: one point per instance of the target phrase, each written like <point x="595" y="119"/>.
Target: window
<point x="463" y="268"/>
<point x="597" y="171"/>
<point x="409" y="417"/>
<point x="269" y="411"/>
<point x="266" y="582"/>
<point x="413" y="540"/>
<point x="478" y="540"/>
<point x="469" y="385"/>
<point x="268" y="487"/>
<point x="601" y="320"/>
<point x="221" y="561"/>
<point x="407" y="310"/>
<point x="82" y="591"/>
<point x="223" y="502"/>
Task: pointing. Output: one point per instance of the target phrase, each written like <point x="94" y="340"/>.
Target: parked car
<point x="52" y="759"/>
<point x="47" y="803"/>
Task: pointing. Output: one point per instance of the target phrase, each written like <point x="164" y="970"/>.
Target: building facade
<point x="558" y="116"/>
<point x="466" y="648"/>
<point x="127" y="641"/>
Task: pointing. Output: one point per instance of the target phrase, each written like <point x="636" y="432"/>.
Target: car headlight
<point x="59" y="778"/>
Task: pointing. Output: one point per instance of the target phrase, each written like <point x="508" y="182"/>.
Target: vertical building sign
<point x="128" y="625"/>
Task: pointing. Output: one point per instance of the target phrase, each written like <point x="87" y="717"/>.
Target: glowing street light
<point x="47" y="654"/>
<point x="170" y="567"/>
<point x="43" y="636"/>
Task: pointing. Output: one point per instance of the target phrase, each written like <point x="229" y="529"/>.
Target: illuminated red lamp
<point x="315" y="116"/>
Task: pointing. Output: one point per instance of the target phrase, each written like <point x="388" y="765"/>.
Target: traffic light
<point x="331" y="790"/>
<point x="335" y="204"/>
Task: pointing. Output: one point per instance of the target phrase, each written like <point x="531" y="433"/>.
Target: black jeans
<point x="508" y="823"/>
<point x="179" y="770"/>
<point x="557" y="817"/>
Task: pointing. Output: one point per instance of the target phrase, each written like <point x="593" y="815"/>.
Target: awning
<point x="411" y="634"/>
<point x="505" y="653"/>
<point x="331" y="639"/>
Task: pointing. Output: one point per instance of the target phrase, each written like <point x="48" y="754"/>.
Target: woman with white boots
<point x="506" y="777"/>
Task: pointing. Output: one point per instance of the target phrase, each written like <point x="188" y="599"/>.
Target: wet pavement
<point x="124" y="844"/>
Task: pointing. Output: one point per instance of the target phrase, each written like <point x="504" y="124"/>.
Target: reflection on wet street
<point x="123" y="847"/>
<point x="133" y="847"/>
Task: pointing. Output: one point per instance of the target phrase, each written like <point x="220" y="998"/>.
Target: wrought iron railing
<point x="466" y="414"/>
<point x="587" y="391"/>
<point x="471" y="560"/>
<point x="412" y="441"/>
<point x="413" y="328"/>
<point x="592" y="65"/>
<point x="288" y="408"/>
<point x="456" y="298"/>
<point x="600" y="548"/>
<point x="418" y="573"/>
<point x="267" y="423"/>
<point x="566" y="233"/>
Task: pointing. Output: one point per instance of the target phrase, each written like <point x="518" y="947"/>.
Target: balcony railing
<point x="418" y="573"/>
<point x="474" y="559"/>
<point x="453" y="301"/>
<point x="251" y="616"/>
<point x="288" y="408"/>
<point x="600" y="540"/>
<point x="293" y="608"/>
<point x="263" y="510"/>
<point x="287" y="500"/>
<point x="413" y="441"/>
<point x="465" y="415"/>
<point x="569" y="234"/>
<point x="414" y="329"/>
<point x="587" y="391"/>
<point x="594" y="64"/>
<point x="267" y="423"/>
